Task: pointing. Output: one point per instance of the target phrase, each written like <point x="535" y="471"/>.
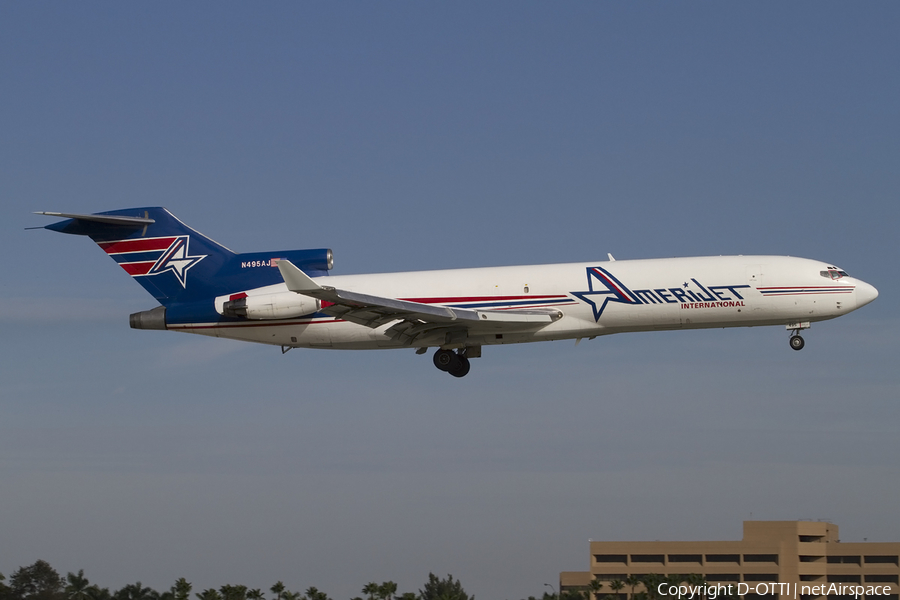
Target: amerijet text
<point x="714" y="296"/>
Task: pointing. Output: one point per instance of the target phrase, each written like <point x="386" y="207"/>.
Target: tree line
<point x="40" y="581"/>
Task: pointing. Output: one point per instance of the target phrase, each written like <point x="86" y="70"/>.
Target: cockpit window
<point x="834" y="274"/>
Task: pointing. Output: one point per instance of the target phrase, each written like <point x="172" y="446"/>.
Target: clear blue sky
<point x="428" y="135"/>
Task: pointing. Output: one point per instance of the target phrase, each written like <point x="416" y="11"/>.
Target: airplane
<point x="288" y="299"/>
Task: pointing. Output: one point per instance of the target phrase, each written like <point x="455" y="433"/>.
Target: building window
<point x="811" y="577"/>
<point x="811" y="558"/>
<point x="843" y="579"/>
<point x="811" y="538"/>
<point x="771" y="558"/>
<point x="610" y="558"/>
<point x="847" y="560"/>
<point x="891" y="560"/>
<point x="686" y="558"/>
<point x="720" y="577"/>
<point x="729" y="558"/>
<point x="770" y="577"/>
<point x="610" y="576"/>
<point x="648" y="558"/>
<point x="883" y="579"/>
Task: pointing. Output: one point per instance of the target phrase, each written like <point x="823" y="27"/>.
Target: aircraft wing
<point x="414" y="320"/>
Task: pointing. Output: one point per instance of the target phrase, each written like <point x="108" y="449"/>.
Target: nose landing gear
<point x="796" y="341"/>
<point x="454" y="363"/>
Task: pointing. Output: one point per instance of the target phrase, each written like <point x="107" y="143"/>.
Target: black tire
<point x="461" y="369"/>
<point x="797" y="342"/>
<point x="444" y="359"/>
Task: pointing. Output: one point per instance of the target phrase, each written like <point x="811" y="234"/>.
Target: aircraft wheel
<point x="797" y="342"/>
<point x="445" y="359"/>
<point x="462" y="367"/>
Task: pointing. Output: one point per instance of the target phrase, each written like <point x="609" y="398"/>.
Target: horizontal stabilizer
<point x="108" y="219"/>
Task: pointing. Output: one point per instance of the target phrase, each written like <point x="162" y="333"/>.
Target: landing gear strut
<point x="454" y="363"/>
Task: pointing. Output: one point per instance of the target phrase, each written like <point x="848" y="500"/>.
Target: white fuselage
<point x="597" y="298"/>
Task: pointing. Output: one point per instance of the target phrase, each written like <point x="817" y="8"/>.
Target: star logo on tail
<point x="176" y="259"/>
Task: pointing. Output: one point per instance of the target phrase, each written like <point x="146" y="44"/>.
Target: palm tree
<point x="233" y="592"/>
<point x="209" y="594"/>
<point x="633" y="581"/>
<point x="370" y="590"/>
<point x="387" y="590"/>
<point x="292" y="595"/>
<point x="255" y="594"/>
<point x="616" y="586"/>
<point x="136" y="591"/>
<point x="314" y="594"/>
<point x="278" y="590"/>
<point x="594" y="587"/>
<point x="651" y="584"/>
<point x="78" y="587"/>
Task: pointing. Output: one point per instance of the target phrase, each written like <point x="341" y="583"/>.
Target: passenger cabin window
<point x="834" y="274"/>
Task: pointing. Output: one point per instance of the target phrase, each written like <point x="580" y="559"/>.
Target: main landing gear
<point x="452" y="362"/>
<point x="797" y="342"/>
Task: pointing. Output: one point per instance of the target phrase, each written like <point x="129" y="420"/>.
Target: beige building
<point x="808" y="554"/>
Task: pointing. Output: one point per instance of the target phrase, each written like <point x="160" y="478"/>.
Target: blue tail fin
<point x="175" y="263"/>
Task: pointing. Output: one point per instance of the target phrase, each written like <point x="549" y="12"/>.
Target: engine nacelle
<point x="281" y="305"/>
<point x="149" y="319"/>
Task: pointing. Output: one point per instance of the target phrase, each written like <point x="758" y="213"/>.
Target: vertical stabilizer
<point x="169" y="259"/>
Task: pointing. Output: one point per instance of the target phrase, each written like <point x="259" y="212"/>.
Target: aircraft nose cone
<point x="865" y="293"/>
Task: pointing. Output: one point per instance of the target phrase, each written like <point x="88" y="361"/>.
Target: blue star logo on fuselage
<point x="608" y="289"/>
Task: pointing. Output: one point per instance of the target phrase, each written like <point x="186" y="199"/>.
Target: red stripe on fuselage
<point x="478" y="299"/>
<point x="807" y="287"/>
<point x="140" y="245"/>
<point x="138" y="268"/>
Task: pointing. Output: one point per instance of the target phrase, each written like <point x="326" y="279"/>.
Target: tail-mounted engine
<point x="280" y="305"/>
